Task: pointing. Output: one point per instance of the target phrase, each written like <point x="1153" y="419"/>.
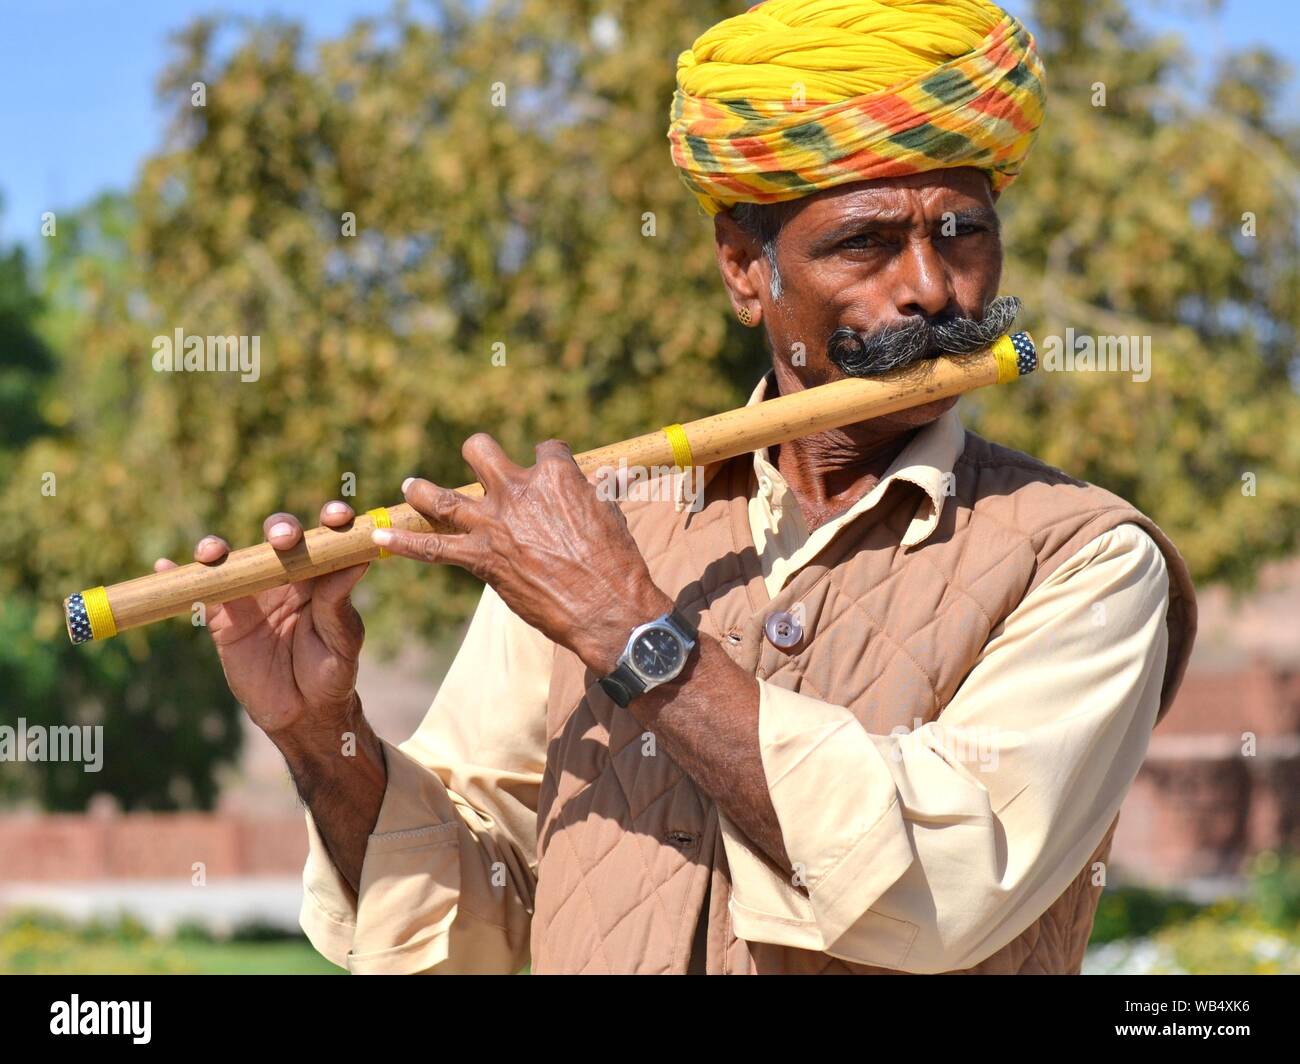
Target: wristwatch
<point x="656" y="652"/>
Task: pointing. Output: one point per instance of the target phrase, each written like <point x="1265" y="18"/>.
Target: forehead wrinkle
<point x="853" y="220"/>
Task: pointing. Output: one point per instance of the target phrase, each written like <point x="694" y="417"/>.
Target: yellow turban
<point x="795" y="96"/>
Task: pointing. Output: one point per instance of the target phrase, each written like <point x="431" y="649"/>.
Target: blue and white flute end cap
<point x="1026" y="352"/>
<point x="78" y="622"/>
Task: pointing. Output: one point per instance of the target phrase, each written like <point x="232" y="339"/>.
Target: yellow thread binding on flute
<point x="1005" y="353"/>
<point x="681" y="446"/>
<point x="382" y="520"/>
<point x="98" y="612"/>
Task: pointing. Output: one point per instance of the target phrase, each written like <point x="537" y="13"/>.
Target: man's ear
<point x="739" y="255"/>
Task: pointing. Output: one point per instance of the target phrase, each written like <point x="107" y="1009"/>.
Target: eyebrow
<point x="862" y="220"/>
<point x="978" y="216"/>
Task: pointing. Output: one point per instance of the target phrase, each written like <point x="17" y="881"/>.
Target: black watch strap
<point x="622" y="685"/>
<point x="676" y="617"/>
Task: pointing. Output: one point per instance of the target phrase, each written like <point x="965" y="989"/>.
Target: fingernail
<point x="336" y="508"/>
<point x="282" y="528"/>
<point x="405" y="483"/>
<point x="382" y="536"/>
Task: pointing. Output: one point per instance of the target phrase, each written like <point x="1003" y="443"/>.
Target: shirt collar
<point x="927" y="461"/>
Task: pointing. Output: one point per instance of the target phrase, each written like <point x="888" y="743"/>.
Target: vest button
<point x="783" y="629"/>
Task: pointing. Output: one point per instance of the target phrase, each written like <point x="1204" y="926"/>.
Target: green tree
<point x="166" y="729"/>
<point x="25" y="361"/>
<point x="1167" y="215"/>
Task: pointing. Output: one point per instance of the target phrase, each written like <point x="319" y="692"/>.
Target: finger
<point x="463" y="550"/>
<point x="442" y="506"/>
<point x="490" y="463"/>
<point x="211" y="549"/>
<point x="336" y="513"/>
<point x="336" y="587"/>
<point x="282" y="531"/>
<point x="337" y="622"/>
<point x="163" y="564"/>
<point x="555" y="450"/>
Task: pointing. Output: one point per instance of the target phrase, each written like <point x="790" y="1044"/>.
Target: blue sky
<point x="77" y="80"/>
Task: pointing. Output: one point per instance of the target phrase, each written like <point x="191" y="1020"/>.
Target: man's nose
<point x="922" y="285"/>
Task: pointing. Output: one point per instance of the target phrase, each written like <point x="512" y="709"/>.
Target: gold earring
<point x="745" y="315"/>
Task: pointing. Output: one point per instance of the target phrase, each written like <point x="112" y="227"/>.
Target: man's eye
<point x="964" y="229"/>
<point x="862" y="240"/>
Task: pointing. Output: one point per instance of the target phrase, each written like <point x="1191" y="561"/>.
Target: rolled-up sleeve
<point x="449" y="871"/>
<point x="931" y="849"/>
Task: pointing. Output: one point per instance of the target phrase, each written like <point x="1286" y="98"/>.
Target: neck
<point x="831" y="471"/>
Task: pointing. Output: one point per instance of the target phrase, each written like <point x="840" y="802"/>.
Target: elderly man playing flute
<point x="871" y="706"/>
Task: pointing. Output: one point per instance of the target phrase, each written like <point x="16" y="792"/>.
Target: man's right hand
<point x="290" y="653"/>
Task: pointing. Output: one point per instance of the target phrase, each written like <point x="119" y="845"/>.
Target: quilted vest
<point x="629" y="847"/>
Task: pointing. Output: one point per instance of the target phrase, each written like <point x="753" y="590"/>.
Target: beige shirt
<point x="967" y="828"/>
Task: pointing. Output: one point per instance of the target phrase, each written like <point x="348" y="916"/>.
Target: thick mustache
<point x="866" y="354"/>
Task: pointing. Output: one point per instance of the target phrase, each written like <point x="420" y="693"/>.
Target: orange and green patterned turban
<point x="795" y="96"/>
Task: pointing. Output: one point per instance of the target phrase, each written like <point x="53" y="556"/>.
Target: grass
<point x="291" y="957"/>
<point x="39" y="942"/>
<point x="1140" y="931"/>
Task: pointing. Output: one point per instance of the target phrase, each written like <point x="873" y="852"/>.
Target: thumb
<point x="336" y="621"/>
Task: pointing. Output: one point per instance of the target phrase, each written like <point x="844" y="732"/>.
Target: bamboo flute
<point x="101" y="612"/>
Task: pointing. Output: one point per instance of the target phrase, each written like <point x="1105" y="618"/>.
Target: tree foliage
<point x="1130" y="221"/>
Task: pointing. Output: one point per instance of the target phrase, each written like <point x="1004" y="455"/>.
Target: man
<point x="889" y="684"/>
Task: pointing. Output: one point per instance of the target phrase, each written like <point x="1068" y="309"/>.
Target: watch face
<point x="656" y="654"/>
